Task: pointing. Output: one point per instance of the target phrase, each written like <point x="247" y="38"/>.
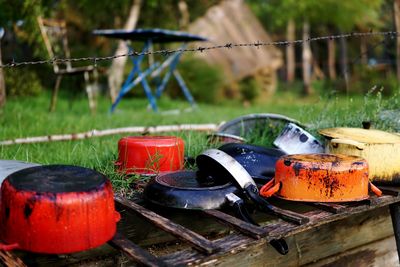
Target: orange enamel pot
<point x="320" y="178"/>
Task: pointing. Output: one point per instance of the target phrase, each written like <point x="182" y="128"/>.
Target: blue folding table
<point x="136" y="76"/>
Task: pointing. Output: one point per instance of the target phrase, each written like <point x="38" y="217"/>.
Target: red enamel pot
<point x="56" y="209"/>
<point x="150" y="154"/>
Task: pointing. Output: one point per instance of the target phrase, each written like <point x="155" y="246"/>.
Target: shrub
<point x="364" y="78"/>
<point x="249" y="89"/>
<point x="205" y="82"/>
<point x="22" y="82"/>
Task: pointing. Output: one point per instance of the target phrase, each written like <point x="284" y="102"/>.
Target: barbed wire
<point x="201" y="49"/>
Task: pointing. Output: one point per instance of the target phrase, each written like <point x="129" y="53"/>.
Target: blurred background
<point x="341" y="79"/>
<point x="350" y="66"/>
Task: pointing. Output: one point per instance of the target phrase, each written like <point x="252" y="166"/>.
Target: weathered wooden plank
<point x="8" y="259"/>
<point x="149" y="235"/>
<point x="290" y="216"/>
<point x="374" y="200"/>
<point x="319" y="217"/>
<point x="349" y="233"/>
<point x="305" y="247"/>
<point x="198" y="241"/>
<point x="395" y="215"/>
<point x="389" y="191"/>
<point x="143" y="233"/>
<point x="379" y="253"/>
<point x="331" y="207"/>
<point x="242" y="226"/>
<point x="99" y="254"/>
<point x="135" y="252"/>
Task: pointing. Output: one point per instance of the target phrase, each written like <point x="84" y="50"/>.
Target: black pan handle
<point x="189" y="161"/>
<point x="280" y="245"/>
<point x="241" y="212"/>
<point x="262" y="204"/>
<point x="252" y="191"/>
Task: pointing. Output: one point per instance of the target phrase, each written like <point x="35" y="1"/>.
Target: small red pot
<point x="150" y="154"/>
<point x="56" y="209"/>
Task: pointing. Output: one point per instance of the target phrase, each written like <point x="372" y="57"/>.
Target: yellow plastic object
<point x="361" y="135"/>
<point x="381" y="150"/>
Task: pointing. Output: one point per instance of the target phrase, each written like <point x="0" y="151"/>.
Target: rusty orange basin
<point x="320" y="178"/>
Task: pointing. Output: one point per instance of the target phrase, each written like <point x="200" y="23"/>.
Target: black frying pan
<point x="194" y="191"/>
<point x="258" y="161"/>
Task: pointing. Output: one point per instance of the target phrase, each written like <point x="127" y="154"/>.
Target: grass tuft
<point x="23" y="117"/>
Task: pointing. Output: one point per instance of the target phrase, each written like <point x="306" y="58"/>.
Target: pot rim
<point x="229" y="165"/>
<point x="330" y="133"/>
<point x="322" y="200"/>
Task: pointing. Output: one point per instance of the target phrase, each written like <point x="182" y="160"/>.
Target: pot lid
<point x="188" y="190"/>
<point x="190" y="180"/>
<point x="370" y="136"/>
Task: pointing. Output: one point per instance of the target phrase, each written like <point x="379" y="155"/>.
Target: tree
<point x="185" y="16"/>
<point x="290" y="52"/>
<point x="329" y="15"/>
<point x="396" y="9"/>
<point x="116" y="71"/>
<point x="350" y="16"/>
<point x="2" y="82"/>
<point x="307" y="59"/>
<point x="26" y="12"/>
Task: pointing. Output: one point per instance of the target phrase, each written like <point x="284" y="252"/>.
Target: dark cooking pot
<point x="258" y="161"/>
<point x="56" y="209"/>
<point x="195" y="191"/>
<point x="188" y="190"/>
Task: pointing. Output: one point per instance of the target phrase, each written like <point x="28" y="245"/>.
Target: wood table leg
<point x="54" y="94"/>
<point x="395" y="214"/>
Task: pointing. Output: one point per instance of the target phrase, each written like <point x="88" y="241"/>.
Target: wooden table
<point x="136" y="76"/>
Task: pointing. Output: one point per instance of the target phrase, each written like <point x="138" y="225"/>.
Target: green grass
<point x="23" y="117"/>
